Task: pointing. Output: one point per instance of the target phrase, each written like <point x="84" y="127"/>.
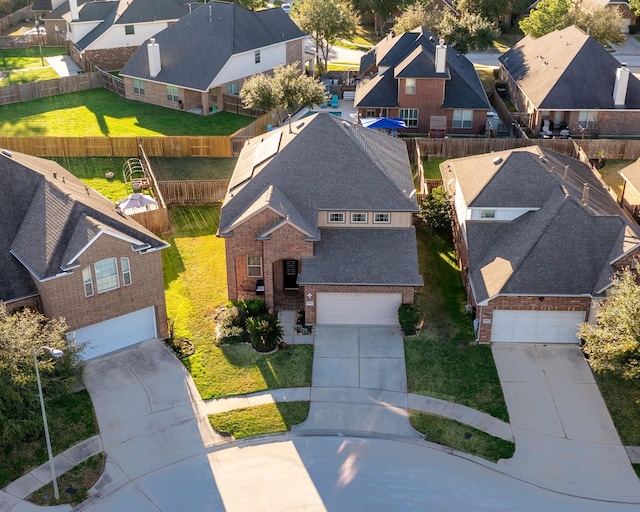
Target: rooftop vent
<point x="300" y="125"/>
<point x="497" y="160"/>
<point x="566" y="171"/>
<point x="8" y="153"/>
<point x="55" y="175"/>
<point x="585" y="194"/>
<point x="345" y="125"/>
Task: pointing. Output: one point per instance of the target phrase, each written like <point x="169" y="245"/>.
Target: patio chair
<point x="334" y="101"/>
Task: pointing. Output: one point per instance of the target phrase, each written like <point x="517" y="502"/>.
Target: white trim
<point x="98" y="235"/>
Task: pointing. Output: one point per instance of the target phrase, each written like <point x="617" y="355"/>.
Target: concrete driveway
<point x="359" y="382"/>
<point x="565" y="438"/>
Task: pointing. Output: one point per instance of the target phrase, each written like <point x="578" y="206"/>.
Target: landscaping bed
<point x="259" y="420"/>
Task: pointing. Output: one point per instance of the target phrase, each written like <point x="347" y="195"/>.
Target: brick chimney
<point x="441" y="57"/>
<point x="620" y="86"/>
<point x="153" y="50"/>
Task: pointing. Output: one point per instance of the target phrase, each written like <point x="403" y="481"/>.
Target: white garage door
<point x="357" y="308"/>
<point x="117" y="333"/>
<point x="536" y="326"/>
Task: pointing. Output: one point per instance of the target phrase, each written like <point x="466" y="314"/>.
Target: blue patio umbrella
<point x="387" y="123"/>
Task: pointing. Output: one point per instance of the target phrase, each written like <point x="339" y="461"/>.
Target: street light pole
<point x="55" y="353"/>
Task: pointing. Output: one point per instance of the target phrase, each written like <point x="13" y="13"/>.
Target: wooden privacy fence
<point x="46" y="88"/>
<point x="156" y="221"/>
<point x="257" y="127"/>
<point x="192" y="192"/>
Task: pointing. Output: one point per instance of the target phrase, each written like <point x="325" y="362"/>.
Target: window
<point x="358" y="218"/>
<point x="172" y="93"/>
<point x="370" y="112"/>
<point x="88" y="282"/>
<point x="409" y="116"/>
<point x="138" y="86"/>
<point x="587" y="119"/>
<point x="107" y="275"/>
<point x="381" y="218"/>
<point x="126" y="271"/>
<point x="410" y="86"/>
<point x="336" y="217"/>
<point x="257" y="54"/>
<point x="487" y="214"/>
<point x="254" y="266"/>
<point x="129" y="30"/>
<point x="463" y="118"/>
<point x="232" y="88"/>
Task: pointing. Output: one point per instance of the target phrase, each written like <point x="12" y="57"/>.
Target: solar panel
<point x="268" y="147"/>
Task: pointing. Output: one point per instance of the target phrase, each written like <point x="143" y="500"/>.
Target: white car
<point x="286" y="8"/>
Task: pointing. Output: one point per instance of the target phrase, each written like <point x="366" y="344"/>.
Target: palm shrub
<point x="265" y="331"/>
<point x="409" y="318"/>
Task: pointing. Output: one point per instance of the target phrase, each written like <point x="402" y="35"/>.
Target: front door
<point x="290" y="272"/>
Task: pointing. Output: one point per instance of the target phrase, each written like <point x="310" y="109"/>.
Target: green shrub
<point x="251" y="307"/>
<point x="409" y="318"/>
<point x="266" y="332"/>
<point x="435" y="210"/>
<point x="233" y="316"/>
<point x="229" y="334"/>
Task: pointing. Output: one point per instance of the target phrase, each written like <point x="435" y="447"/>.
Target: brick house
<point x="320" y="217"/>
<point x="566" y="80"/>
<point x="428" y="84"/>
<point x="67" y="252"/>
<point x="107" y="33"/>
<point x="209" y="53"/>
<point x="539" y="239"/>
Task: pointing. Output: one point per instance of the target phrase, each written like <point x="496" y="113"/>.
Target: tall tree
<point x="419" y="14"/>
<point x="381" y="10"/>
<point x="285" y="90"/>
<point x="328" y="21"/>
<point x="468" y="32"/>
<point x="488" y="9"/>
<point x="20" y="333"/>
<point x="602" y="23"/>
<point x="613" y="343"/>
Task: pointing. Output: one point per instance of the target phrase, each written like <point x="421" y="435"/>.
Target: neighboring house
<point x="539" y="239"/>
<point x="628" y="16"/>
<point x="107" y="33"/>
<point x="630" y="197"/>
<point x="66" y="251"/>
<point x="209" y="53"/>
<point x="320" y="218"/>
<point x="429" y="85"/>
<point x="566" y="81"/>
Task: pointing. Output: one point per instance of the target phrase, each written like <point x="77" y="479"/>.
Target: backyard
<point x="100" y="113"/>
<point x="23" y="65"/>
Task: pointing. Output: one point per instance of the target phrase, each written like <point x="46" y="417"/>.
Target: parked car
<point x="286" y="8"/>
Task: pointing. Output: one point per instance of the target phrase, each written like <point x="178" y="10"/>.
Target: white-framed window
<point x="410" y="86"/>
<point x="336" y="216"/>
<point x="487" y="214"/>
<point x="87" y="281"/>
<point x="587" y="118"/>
<point x="409" y="116"/>
<point x="106" y="275"/>
<point x="232" y="88"/>
<point x="463" y="118"/>
<point x="257" y="55"/>
<point x="358" y="218"/>
<point x="381" y="218"/>
<point x="126" y="271"/>
<point x="138" y="86"/>
<point x="370" y="112"/>
<point x="129" y="30"/>
<point x="254" y="266"/>
<point x="172" y="93"/>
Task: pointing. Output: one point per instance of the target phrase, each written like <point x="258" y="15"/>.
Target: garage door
<point x="357" y="308"/>
<point x="117" y="333"/>
<point x="536" y="326"/>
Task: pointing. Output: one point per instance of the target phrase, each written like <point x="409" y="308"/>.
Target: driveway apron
<point x="565" y="438"/>
<point x="359" y="382"/>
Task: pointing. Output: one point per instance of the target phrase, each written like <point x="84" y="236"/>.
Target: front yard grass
<point x="259" y="420"/>
<point x="443" y="360"/>
<point x="100" y="113"/>
<point x="70" y="419"/>
<point x="461" y="437"/>
<point x="623" y="401"/>
<point x="195" y="286"/>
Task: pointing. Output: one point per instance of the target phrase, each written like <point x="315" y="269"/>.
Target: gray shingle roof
<point x="560" y="246"/>
<point x="567" y="70"/>
<point x="194" y="50"/>
<point x="412" y="55"/>
<point x="45" y="220"/>
<point x="364" y="257"/>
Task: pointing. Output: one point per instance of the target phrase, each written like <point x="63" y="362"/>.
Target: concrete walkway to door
<point x="565" y="438"/>
<point x="359" y="383"/>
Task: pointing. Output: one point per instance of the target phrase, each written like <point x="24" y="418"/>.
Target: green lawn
<point x="195" y="286"/>
<point x="623" y="401"/>
<point x="431" y="167"/>
<point x="462" y="437"/>
<point x="610" y="174"/>
<point x="98" y="112"/>
<point x="443" y="360"/>
<point x="92" y="170"/>
<point x="200" y="168"/>
<point x="70" y="419"/>
<point x="262" y="419"/>
<point x="22" y="58"/>
<point x="24" y="77"/>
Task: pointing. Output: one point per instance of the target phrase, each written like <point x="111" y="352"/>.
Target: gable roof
<point x="360" y="169"/>
<point x="195" y="49"/>
<point x="561" y="246"/>
<point x="47" y="217"/>
<point x="412" y="55"/>
<point x="568" y="70"/>
<point x="631" y="174"/>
